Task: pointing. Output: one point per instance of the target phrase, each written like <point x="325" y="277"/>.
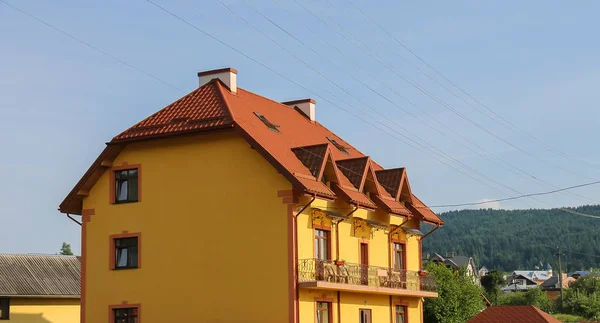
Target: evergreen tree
<point x="66" y="249"/>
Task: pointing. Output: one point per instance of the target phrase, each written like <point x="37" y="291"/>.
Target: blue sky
<point x="534" y="63"/>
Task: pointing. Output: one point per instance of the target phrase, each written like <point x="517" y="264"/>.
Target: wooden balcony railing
<point x="311" y="270"/>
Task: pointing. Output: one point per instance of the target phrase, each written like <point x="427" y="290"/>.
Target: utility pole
<point x="560" y="280"/>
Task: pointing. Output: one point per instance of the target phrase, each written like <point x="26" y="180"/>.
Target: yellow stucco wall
<point x="379" y="250"/>
<point x="351" y="303"/>
<point x="214" y="237"/>
<point x="44" y="310"/>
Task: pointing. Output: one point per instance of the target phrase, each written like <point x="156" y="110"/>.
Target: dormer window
<point x="269" y="124"/>
<point x="339" y="146"/>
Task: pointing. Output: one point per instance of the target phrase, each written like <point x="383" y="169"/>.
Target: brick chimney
<point x="226" y="75"/>
<point x="306" y="106"/>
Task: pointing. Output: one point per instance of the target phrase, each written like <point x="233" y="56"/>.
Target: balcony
<point x="327" y="274"/>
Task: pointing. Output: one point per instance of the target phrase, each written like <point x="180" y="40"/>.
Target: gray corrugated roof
<point x="40" y="275"/>
<point x="460" y="260"/>
<point x="550" y="282"/>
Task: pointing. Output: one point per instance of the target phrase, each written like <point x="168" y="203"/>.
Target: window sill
<point x="125" y="202"/>
<point x="125" y="268"/>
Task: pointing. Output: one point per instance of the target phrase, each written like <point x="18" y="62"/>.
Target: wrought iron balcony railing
<point x="310" y="270"/>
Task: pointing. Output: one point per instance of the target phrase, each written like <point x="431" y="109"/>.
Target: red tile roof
<point x="297" y="149"/>
<point x="513" y="314"/>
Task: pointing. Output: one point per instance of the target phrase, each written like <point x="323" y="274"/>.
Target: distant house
<point x="482" y="272"/>
<point x="578" y="274"/>
<point x="39" y="288"/>
<point x="552" y="285"/>
<point x="538" y="276"/>
<point x="513" y="314"/>
<point x="518" y="282"/>
<point x="456" y="262"/>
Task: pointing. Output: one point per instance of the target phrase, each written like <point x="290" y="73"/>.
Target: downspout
<point x="337" y="256"/>
<point x="307" y="205"/>
<point x="390" y="240"/>
<point x="295" y="232"/>
<point x="72" y="219"/>
<point x="430" y="232"/>
<point x="421" y="244"/>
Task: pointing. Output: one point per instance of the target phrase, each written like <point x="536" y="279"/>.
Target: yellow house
<point x="226" y="206"/>
<point x="39" y="288"/>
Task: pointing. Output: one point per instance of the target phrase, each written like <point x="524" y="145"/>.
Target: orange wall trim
<point x="86" y="215"/>
<point x="111" y="250"/>
<point x="124" y="304"/>
<point x="399" y="303"/>
<point x="325" y="300"/>
<point x="293" y="302"/>
<point x="83" y="268"/>
<point x="111" y="178"/>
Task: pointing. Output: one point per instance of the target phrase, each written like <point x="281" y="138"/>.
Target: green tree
<point x="535" y="296"/>
<point x="459" y="299"/>
<point x="583" y="298"/>
<point x="66" y="249"/>
<point x="491" y="283"/>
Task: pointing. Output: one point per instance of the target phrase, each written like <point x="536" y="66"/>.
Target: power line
<point x="172" y="86"/>
<point x="359" y="100"/>
<point x="521" y="196"/>
<point x="91" y="46"/>
<point x="390" y="66"/>
<point x="546" y="145"/>
<point x="327" y="100"/>
<point x="518" y="172"/>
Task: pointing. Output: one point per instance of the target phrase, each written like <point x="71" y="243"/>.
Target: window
<point x="126" y="253"/>
<point x="269" y="124"/>
<point x="126" y="185"/>
<point x="339" y="146"/>
<point x="4" y="309"/>
<point x="125" y="315"/>
<point x="398" y="256"/>
<point x="400" y="314"/>
<point x="365" y="315"/>
<point x="324" y="312"/>
<point x="321" y="244"/>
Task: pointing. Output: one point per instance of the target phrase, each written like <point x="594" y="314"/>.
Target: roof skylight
<point x="339" y="146"/>
<point x="269" y="124"/>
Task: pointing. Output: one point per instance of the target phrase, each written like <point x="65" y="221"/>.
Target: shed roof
<point x="513" y="314"/>
<point x="29" y="275"/>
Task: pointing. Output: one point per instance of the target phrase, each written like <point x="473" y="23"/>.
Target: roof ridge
<point x="38" y="255"/>
<point x="541" y="313"/>
<point x="159" y="110"/>
<point x="219" y="84"/>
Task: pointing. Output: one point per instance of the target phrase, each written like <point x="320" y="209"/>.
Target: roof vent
<point x="339" y="146"/>
<point x="269" y="124"/>
<point x="226" y="75"/>
<point x="306" y="106"/>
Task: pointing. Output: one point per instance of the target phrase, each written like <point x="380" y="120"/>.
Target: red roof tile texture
<point x="513" y="314"/>
<point x="203" y="108"/>
<point x="298" y="147"/>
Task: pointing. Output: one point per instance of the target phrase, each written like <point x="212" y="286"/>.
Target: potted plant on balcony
<point x="339" y="262"/>
<point x="422" y="272"/>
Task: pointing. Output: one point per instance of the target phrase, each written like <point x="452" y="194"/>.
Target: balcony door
<point x="364" y="263"/>
<point x="322" y="253"/>
<point x="365" y="315"/>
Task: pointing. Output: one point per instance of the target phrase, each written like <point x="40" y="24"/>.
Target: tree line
<point x="520" y="239"/>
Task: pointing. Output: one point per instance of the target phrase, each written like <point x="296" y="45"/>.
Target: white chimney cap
<point x="306" y="106"/>
<point x="226" y="75"/>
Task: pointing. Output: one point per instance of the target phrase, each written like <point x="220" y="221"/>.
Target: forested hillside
<point x="520" y="239"/>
